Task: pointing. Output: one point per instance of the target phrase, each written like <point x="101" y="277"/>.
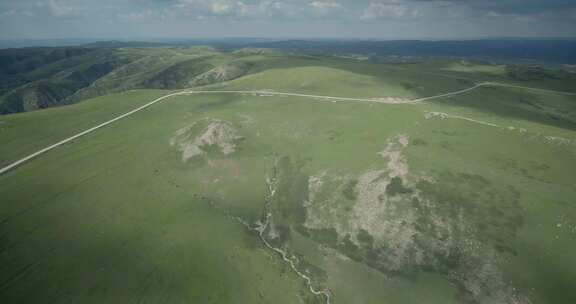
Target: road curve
<point x="260" y="93"/>
<point x="451" y="93"/>
<point x="71" y="138"/>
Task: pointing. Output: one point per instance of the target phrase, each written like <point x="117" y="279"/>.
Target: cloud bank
<point x="381" y="19"/>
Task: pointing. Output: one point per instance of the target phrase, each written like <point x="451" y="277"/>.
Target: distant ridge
<point x="124" y="44"/>
<point x="543" y="50"/>
<point x="546" y="50"/>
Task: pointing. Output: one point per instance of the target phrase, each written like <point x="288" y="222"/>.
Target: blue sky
<point x="379" y="19"/>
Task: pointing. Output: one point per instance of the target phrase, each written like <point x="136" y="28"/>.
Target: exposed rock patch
<point x="220" y="74"/>
<point x="218" y="133"/>
<point x="396" y="162"/>
<point x="399" y="221"/>
<point x="431" y="115"/>
<point x="392" y="99"/>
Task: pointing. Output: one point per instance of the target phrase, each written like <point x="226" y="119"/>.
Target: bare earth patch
<point x="407" y="229"/>
<point x="219" y="133"/>
<point x="392" y="99"/>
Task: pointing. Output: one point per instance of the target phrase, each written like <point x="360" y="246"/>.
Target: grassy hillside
<point x="32" y="79"/>
<point x="38" y="78"/>
<point x="49" y="76"/>
<point x="463" y="199"/>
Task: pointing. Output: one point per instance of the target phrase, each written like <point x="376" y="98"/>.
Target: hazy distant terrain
<point x="35" y="78"/>
<point x="285" y="176"/>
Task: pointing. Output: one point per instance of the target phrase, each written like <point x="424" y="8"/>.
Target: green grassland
<point x="465" y="199"/>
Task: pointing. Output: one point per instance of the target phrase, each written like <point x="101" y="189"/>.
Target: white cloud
<point x="325" y="5"/>
<point x="390" y="9"/>
<point x="221" y="8"/>
<point x="207" y="7"/>
<point x="17" y="13"/>
<point x="11" y="12"/>
<point x="516" y="17"/>
<point x="137" y="17"/>
<point x="286" y="17"/>
<point x="60" y="9"/>
<point x="234" y="9"/>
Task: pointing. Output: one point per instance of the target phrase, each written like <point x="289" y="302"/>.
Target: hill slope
<point x="33" y="79"/>
<point x="260" y="198"/>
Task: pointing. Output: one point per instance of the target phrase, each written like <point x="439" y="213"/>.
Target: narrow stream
<point x="260" y="227"/>
<point x="291" y="260"/>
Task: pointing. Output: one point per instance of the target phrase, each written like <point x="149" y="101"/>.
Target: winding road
<point x="262" y="94"/>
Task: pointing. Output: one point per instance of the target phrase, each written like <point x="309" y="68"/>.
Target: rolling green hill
<point x="48" y="76"/>
<point x="40" y="78"/>
<point x="260" y="197"/>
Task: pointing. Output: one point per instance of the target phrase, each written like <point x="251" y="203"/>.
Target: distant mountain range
<point x="36" y="78"/>
<point x="41" y="77"/>
<point x="553" y="50"/>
